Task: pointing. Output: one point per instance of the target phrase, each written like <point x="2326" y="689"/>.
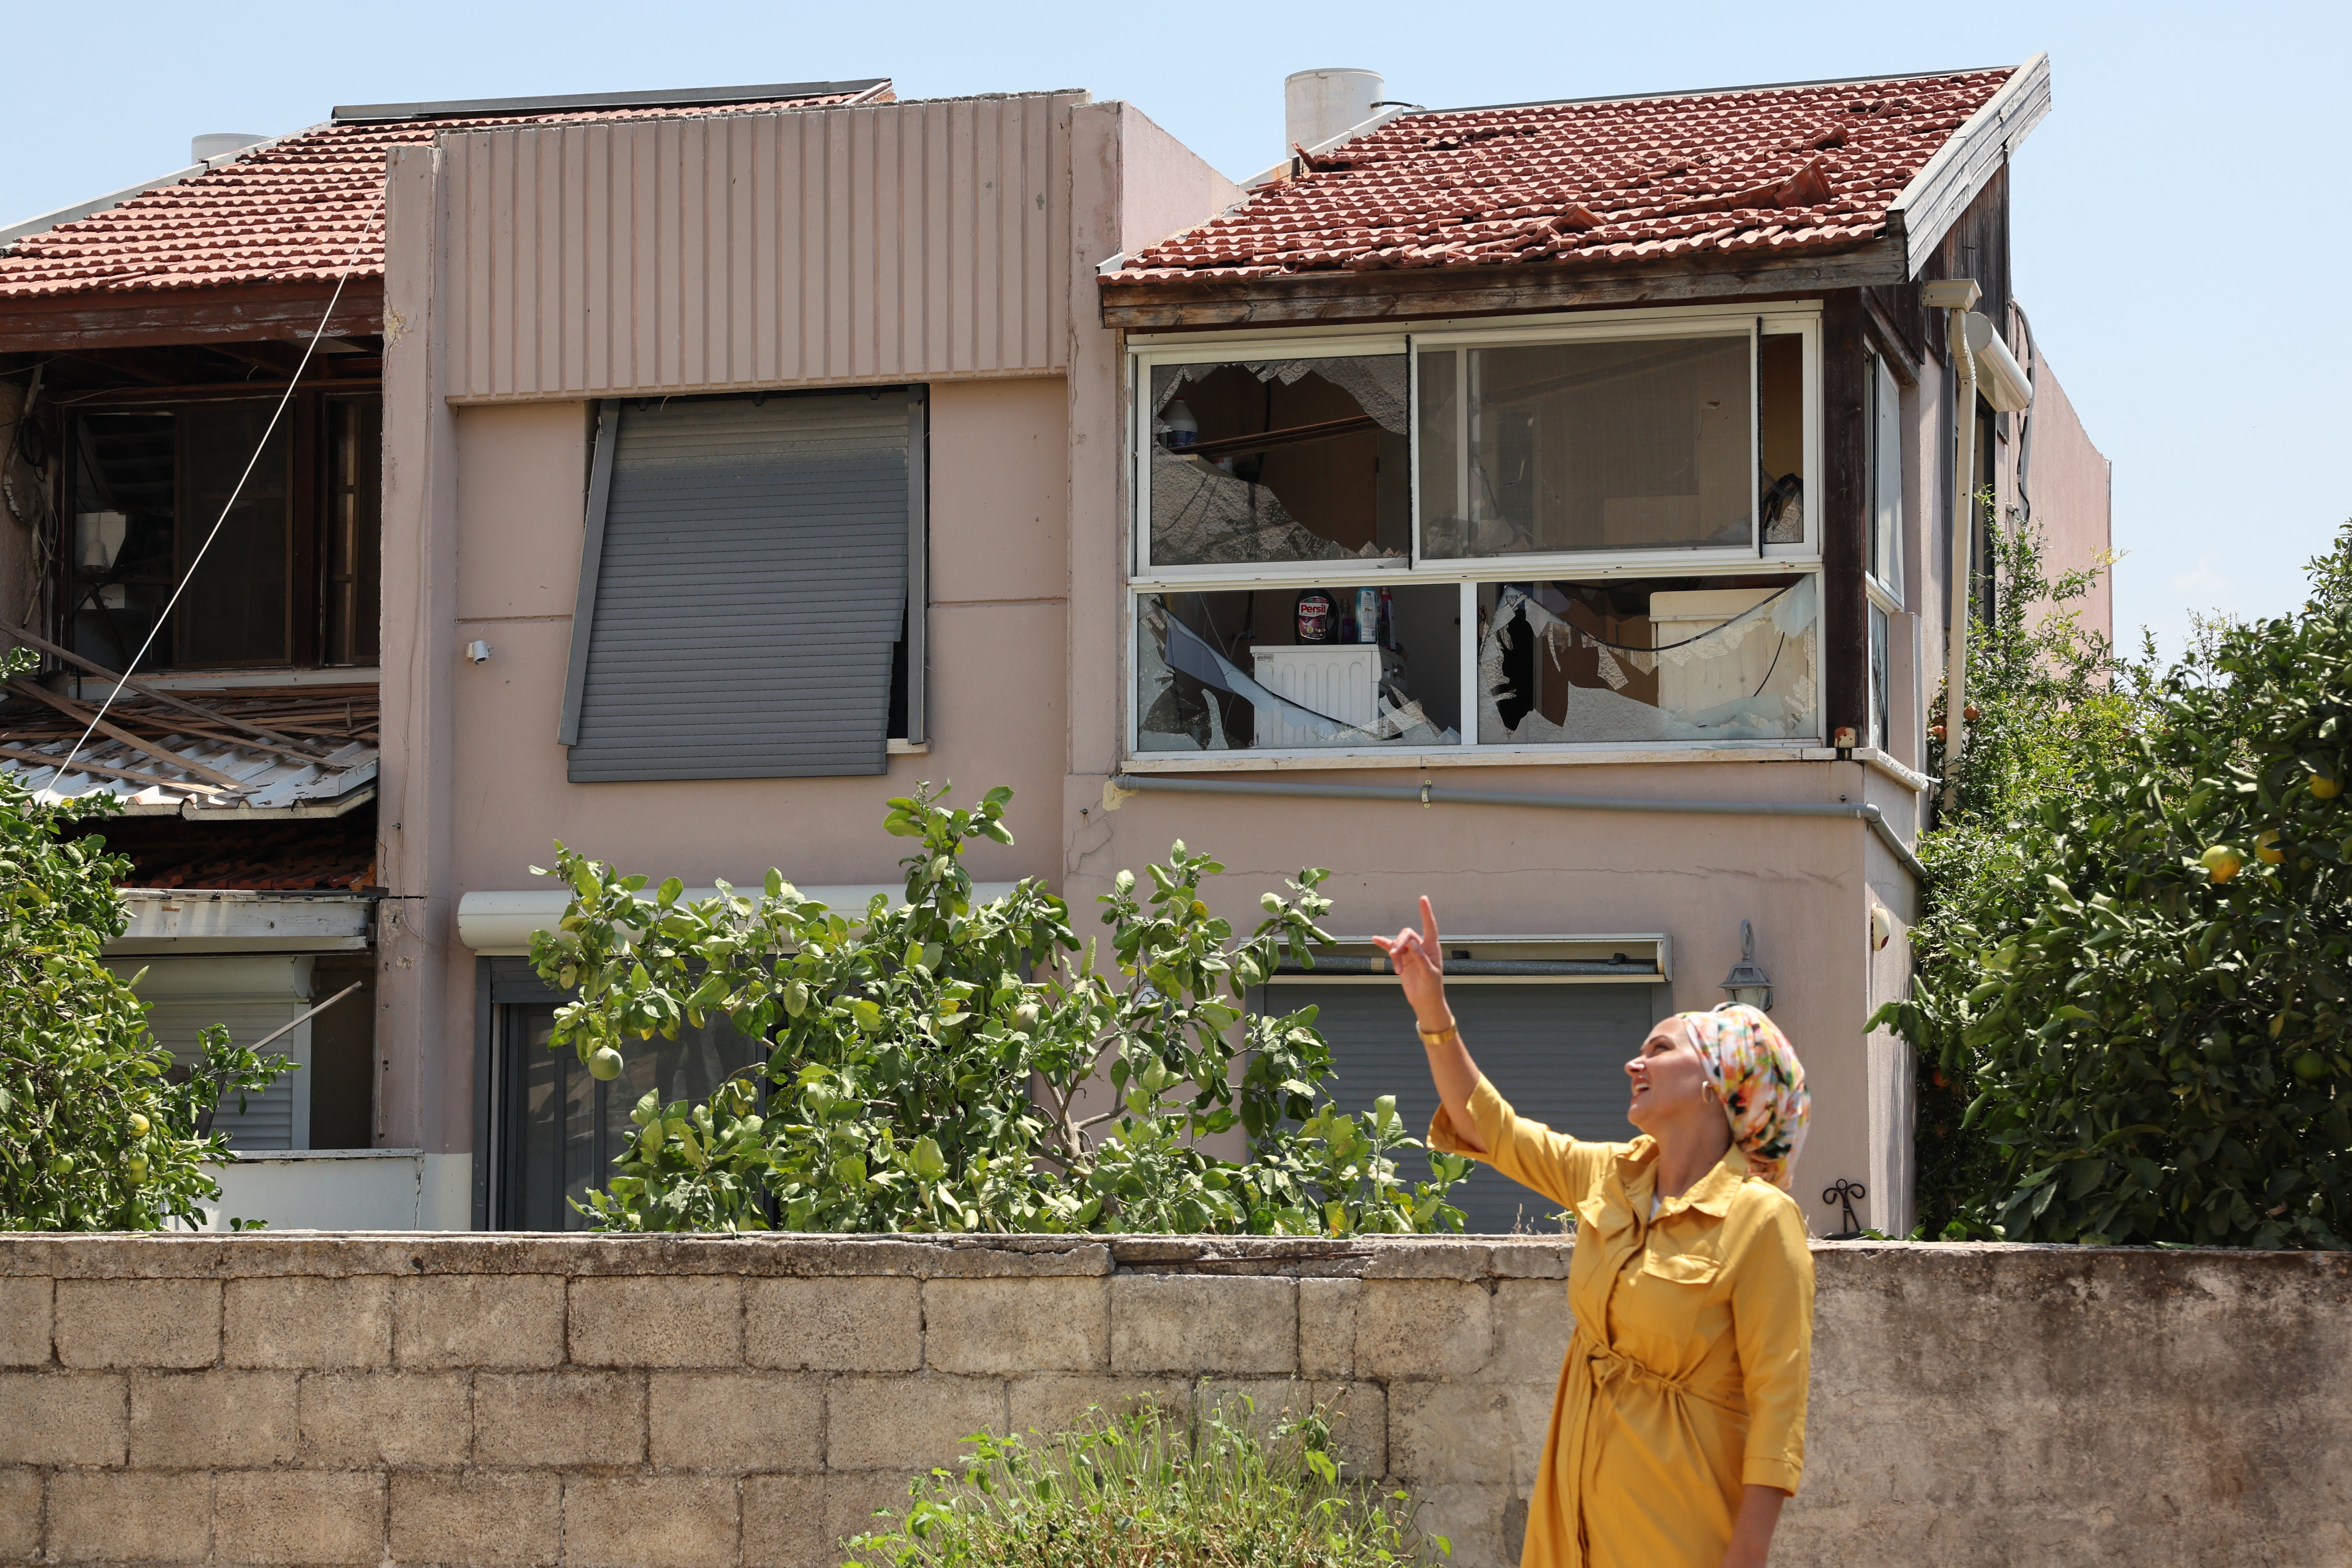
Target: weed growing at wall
<point x="2136" y="964"/>
<point x="94" y="1135"/>
<point x="1214" y="1492"/>
<point x="970" y="1065"/>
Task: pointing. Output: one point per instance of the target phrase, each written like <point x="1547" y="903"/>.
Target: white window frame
<point x="1802" y="557"/>
<point x="1880" y="379"/>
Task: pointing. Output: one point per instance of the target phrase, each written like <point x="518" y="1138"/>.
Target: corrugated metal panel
<point x="752" y="586"/>
<point x="1558" y="1053"/>
<point x="884" y="242"/>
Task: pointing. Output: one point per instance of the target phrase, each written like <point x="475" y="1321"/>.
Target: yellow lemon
<point x="2221" y="862"/>
<point x="2266" y="847"/>
<point x="2324" y="788"/>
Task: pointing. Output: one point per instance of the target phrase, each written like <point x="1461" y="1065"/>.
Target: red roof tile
<point x="289" y="212"/>
<point x="1808" y="167"/>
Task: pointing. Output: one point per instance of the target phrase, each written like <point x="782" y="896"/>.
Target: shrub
<point x="2143" y="979"/>
<point x="964" y="1065"/>
<point x="94" y="1132"/>
<point x="1138" y="1489"/>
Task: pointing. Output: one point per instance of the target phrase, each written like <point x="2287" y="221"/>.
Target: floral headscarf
<point x="1754" y="1067"/>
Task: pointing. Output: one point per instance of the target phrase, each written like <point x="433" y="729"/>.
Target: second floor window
<point x="271" y="536"/>
<point x="1594" y="534"/>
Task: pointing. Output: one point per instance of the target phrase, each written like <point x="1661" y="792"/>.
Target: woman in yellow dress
<point x="1679" y="1426"/>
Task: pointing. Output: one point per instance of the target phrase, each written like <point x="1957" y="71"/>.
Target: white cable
<point x="165" y="620"/>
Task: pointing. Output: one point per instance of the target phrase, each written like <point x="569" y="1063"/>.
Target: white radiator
<point x="1338" y="680"/>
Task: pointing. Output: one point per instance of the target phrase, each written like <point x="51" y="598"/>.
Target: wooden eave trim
<point x="58" y="323"/>
<point x="1881" y="331"/>
<point x="1439" y="293"/>
<point x="1941" y="191"/>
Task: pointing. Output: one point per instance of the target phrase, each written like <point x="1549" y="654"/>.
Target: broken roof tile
<point x="1812" y="166"/>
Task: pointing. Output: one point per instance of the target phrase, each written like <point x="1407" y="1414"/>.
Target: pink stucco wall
<point x="2072" y="487"/>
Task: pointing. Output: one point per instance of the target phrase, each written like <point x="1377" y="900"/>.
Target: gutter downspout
<point x="1956" y="296"/>
<point x="1120" y="785"/>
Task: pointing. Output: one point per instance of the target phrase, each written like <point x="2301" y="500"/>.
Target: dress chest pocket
<point x="1683" y="1268"/>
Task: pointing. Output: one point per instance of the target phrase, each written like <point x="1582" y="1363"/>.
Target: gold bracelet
<point x="1438" y="1037"/>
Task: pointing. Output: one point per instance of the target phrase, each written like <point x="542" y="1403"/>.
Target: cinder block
<point x="851" y="1503"/>
<point x="479" y="1320"/>
<point x="1472" y="1516"/>
<point x="1162" y="1322"/>
<point x="117" y="1516"/>
<point x="1012" y="1326"/>
<point x="62" y="1418"/>
<point x="1327" y="1327"/>
<point x="656" y="1320"/>
<point x="24" y="1320"/>
<point x="784" y="1522"/>
<point x="1359" y="1426"/>
<point x="1059" y="1402"/>
<point x="383" y="1418"/>
<point x="485" y="1520"/>
<point x="308" y="1323"/>
<point x="20" y="1515"/>
<point x="199" y="1420"/>
<point x="1446" y="1432"/>
<point x="1530" y="1408"/>
<point x="736" y="1421"/>
<point x="855" y="1324"/>
<point x="906" y="1423"/>
<point x="649" y="1521"/>
<point x="1409" y="1329"/>
<point x="1532" y="1324"/>
<point x="560" y="1418"/>
<point x="138" y="1322"/>
<point x="298" y="1516"/>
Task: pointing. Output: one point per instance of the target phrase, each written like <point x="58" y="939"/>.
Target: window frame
<point x="308" y="418"/>
<point x="1888" y="548"/>
<point x="1802" y="319"/>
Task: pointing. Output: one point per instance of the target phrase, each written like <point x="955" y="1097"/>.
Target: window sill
<point x="899" y="748"/>
<point x="1918" y="784"/>
<point x="1473" y="757"/>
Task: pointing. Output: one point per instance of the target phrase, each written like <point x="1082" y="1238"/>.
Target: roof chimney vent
<point x="214" y="144"/>
<point x="1320" y="105"/>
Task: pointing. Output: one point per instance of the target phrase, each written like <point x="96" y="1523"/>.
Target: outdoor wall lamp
<point x="1746" y="982"/>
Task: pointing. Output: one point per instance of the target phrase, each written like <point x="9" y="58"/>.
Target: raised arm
<point x="1420" y="965"/>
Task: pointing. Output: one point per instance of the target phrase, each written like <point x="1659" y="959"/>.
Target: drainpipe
<point x="1956" y="296"/>
<point x="1124" y="784"/>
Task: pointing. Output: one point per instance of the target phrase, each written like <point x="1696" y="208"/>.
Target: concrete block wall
<point x="678" y="1402"/>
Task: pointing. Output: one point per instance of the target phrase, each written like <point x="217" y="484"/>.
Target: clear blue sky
<point x="2181" y="221"/>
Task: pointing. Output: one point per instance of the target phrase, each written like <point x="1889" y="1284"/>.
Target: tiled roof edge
<point x="1926" y="208"/>
<point x="96" y="204"/>
<point x="1712" y="91"/>
<point x="581" y="102"/>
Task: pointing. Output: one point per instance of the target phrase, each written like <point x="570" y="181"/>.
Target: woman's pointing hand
<point x="1420" y="965"/>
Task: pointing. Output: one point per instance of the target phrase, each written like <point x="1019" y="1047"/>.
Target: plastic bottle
<point x="1180" y="428"/>
<point x="1315" y="616"/>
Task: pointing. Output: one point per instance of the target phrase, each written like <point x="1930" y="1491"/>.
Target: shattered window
<point x="1727" y="658"/>
<point x="1613" y="445"/>
<point x="124" y="506"/>
<point x="1288" y="668"/>
<point x="1289" y="459"/>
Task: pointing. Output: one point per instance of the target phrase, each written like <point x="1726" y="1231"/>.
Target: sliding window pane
<point x="1687" y="658"/>
<point x="237" y="605"/>
<point x="1616" y="445"/>
<point x="354" y="548"/>
<point x="1298" y="459"/>
<point x="1285" y="669"/>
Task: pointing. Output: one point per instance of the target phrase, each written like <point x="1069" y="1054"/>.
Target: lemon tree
<point x="2140" y="980"/>
<point x="94" y="1134"/>
<point x="965" y="1064"/>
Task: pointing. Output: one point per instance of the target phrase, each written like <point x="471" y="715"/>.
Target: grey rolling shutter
<point x="1558" y="1054"/>
<point x="749" y="586"/>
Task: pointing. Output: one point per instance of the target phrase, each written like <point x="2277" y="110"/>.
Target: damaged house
<point x="1562" y="509"/>
<point x="191" y="501"/>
